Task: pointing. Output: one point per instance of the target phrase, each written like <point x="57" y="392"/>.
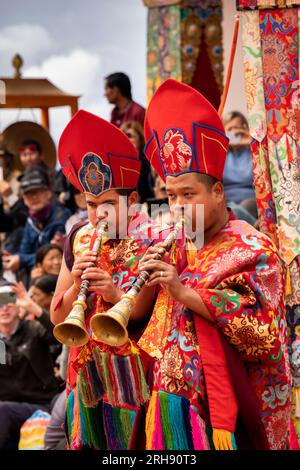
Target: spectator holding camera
<point x="26" y="376"/>
<point x="238" y="176"/>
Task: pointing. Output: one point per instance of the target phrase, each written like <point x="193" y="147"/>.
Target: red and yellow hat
<point x="184" y="133"/>
<point x="96" y="156"/>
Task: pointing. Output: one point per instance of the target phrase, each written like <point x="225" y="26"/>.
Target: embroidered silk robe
<point x="239" y="277"/>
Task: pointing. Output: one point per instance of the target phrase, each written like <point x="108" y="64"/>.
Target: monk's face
<point x="203" y="205"/>
<point x="112" y="208"/>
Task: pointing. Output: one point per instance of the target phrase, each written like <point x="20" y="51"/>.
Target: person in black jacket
<point x="26" y="369"/>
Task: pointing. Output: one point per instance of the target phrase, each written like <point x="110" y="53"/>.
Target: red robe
<point x="106" y="386"/>
<point x="239" y="277"/>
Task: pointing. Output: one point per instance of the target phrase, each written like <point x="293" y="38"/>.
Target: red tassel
<point x="290" y="155"/>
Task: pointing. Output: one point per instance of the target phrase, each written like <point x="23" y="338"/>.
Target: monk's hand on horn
<point x="102" y="283"/>
<point x="157" y="251"/>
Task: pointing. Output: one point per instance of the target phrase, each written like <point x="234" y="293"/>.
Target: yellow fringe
<point x="288" y="283"/>
<point x="262" y="157"/>
<point x="296" y="401"/>
<point x="222" y="439"/>
<point x="133" y="348"/>
<point x="191" y="250"/>
<point x="150" y="420"/>
<point x="75" y="416"/>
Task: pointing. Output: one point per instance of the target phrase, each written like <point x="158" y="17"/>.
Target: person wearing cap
<point x="218" y="331"/>
<point x="101" y="162"/>
<point x="26" y="374"/>
<point x="45" y="219"/>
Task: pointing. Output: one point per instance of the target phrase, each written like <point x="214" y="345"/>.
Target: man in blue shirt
<point x="45" y="221"/>
<point x="238" y="175"/>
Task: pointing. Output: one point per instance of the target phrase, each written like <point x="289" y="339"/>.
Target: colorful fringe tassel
<point x="199" y="430"/>
<point x="296" y="410"/>
<point x="118" y="425"/>
<point x="84" y="425"/>
<point x="123" y="378"/>
<point x="171" y="424"/>
<point x="89" y="384"/>
<point x="154" y="434"/>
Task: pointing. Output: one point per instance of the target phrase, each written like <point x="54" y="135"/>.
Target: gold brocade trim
<point x="213" y="39"/>
<point x="191" y="32"/>
<point x="197" y="33"/>
<point x="249" y="336"/>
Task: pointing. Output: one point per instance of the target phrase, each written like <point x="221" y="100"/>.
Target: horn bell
<point x="111" y="327"/>
<point x="72" y="331"/>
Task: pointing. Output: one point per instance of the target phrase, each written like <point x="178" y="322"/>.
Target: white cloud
<point x="77" y="72"/>
<point x="29" y="40"/>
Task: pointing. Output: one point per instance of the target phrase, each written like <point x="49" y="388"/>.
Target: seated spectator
<point x="55" y="438"/>
<point x="39" y="299"/>
<point x="160" y="188"/>
<point x="158" y="207"/>
<point x="79" y="209"/>
<point x="62" y="189"/>
<point x="117" y="90"/>
<point x="46" y="221"/>
<point x="135" y="133"/>
<point x="48" y="260"/>
<point x="238" y="176"/>
<point x="9" y="183"/>
<point x="31" y="154"/>
<point x="27" y="379"/>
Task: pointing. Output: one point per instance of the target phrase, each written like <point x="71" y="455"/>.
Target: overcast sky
<point x="75" y="44"/>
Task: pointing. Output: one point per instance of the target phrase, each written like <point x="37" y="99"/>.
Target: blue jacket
<point x="34" y="237"/>
<point x="238" y="176"/>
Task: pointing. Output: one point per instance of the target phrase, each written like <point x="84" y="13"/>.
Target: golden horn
<point x="72" y="331"/>
<point x="110" y="327"/>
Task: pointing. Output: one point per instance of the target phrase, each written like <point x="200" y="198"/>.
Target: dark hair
<point x="121" y="81"/>
<point x="28" y="142"/>
<point x="125" y="192"/>
<point x="207" y="180"/>
<point x="235" y="114"/>
<point x="46" y="283"/>
<point x="44" y="250"/>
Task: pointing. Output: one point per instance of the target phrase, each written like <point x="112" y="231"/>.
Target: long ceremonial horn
<point x="72" y="331"/>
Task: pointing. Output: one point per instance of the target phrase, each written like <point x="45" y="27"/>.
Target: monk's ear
<point x="133" y="198"/>
<point x="218" y="190"/>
